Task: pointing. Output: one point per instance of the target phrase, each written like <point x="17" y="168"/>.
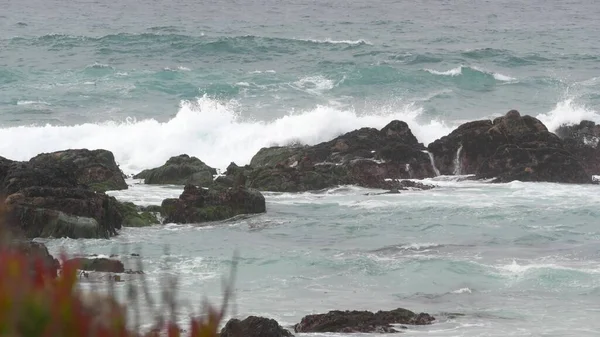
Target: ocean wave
<point x="25" y="102"/>
<point x="471" y="70"/>
<point x="568" y="112"/>
<point x="208" y="129"/>
<point x="331" y="41"/>
<point x="176" y="40"/>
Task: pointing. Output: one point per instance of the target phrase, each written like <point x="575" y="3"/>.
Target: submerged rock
<point x="180" y="170"/>
<point x="134" y="216"/>
<point x="361" y="321"/>
<point x="96" y="169"/>
<point x="99" y="265"/>
<point x="254" y="326"/>
<point x="197" y="205"/>
<point x="63" y="212"/>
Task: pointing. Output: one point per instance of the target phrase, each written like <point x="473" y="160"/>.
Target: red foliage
<point x="36" y="303"/>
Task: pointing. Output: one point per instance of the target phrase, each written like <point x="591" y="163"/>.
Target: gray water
<point x="219" y="80"/>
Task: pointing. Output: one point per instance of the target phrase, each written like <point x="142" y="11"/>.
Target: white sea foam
<point x="460" y="69"/>
<point x="463" y="291"/>
<point x="315" y="84"/>
<point x="332" y="41"/>
<point x="32" y="103"/>
<point x="567" y="112"/>
<point x="452" y="72"/>
<point x="208" y="129"/>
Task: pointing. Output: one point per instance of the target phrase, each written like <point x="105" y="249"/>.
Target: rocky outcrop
<point x="20" y="175"/>
<point x="581" y="140"/>
<point x="254" y="327"/>
<point x="180" y="170"/>
<point x="95" y="169"/>
<point x="361" y="321"/>
<point x="511" y="147"/>
<point x="60" y="194"/>
<point x="37" y="252"/>
<point x="63" y="212"/>
<point x="99" y="265"/>
<point x="197" y="204"/>
<point x="366" y="157"/>
<point x="134" y="216"/>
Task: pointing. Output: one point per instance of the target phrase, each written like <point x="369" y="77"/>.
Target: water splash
<point x="432" y="161"/>
<point x="457" y="164"/>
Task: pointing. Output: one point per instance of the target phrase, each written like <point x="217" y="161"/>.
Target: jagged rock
<point x="197" y="205"/>
<point x="581" y="140"/>
<point x="63" y="212"/>
<point x="96" y="169"/>
<point x="99" y="265"/>
<point x="365" y="157"/>
<point x="361" y="321"/>
<point x="134" y="216"/>
<point x="254" y="327"/>
<point x="180" y="170"/>
<point x="485" y="148"/>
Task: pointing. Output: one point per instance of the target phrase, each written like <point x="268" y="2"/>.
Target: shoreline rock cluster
<point x="61" y="194"/>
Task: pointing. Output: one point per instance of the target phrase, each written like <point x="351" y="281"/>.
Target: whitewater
<point x="150" y="80"/>
<point x="212" y="131"/>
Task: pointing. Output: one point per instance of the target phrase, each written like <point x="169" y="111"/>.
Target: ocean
<point x="150" y="79"/>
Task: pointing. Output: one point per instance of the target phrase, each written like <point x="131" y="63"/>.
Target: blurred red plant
<point x="35" y="302"/>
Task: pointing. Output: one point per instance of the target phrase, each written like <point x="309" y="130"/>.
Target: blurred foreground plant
<point x="35" y="302"/>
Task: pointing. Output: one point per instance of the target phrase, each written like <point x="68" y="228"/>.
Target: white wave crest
<point x="32" y="103"/>
<point x="567" y="112"/>
<point x="331" y="41"/>
<point x="208" y="129"/>
<point x="459" y="71"/>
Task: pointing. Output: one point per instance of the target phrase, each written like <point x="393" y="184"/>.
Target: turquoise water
<point x="219" y="80"/>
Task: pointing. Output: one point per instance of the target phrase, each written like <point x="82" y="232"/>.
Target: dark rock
<point x="366" y="157"/>
<point x="289" y="179"/>
<point x="63" y="212"/>
<point x="361" y="321"/>
<point x="180" y="170"/>
<point x="197" y="205"/>
<point x="133" y="216"/>
<point x="99" y="265"/>
<point x="474" y="142"/>
<point x="150" y="209"/>
<point x="254" y="327"/>
<point x="581" y="140"/>
<point x="20" y="175"/>
<point x="511" y="162"/>
<point x="96" y="169"/>
<point x="484" y="148"/>
<point x="36" y="251"/>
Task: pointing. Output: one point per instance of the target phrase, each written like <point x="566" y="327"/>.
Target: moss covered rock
<point x="133" y="216"/>
<point x="198" y="205"/>
<point x="179" y="170"/>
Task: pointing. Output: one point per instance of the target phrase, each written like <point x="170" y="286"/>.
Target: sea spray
<point x="208" y="129"/>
